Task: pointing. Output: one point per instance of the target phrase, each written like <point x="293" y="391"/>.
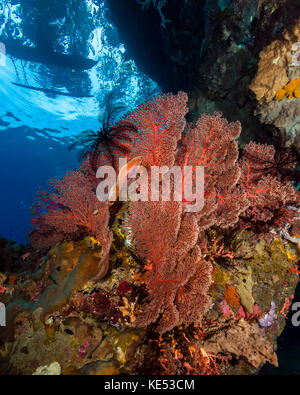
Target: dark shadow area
<point x="141" y="32"/>
<point x="50" y="58"/>
<point x="288" y="350"/>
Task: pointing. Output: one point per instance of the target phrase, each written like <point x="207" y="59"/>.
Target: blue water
<point x="36" y="127"/>
<point x="25" y="166"/>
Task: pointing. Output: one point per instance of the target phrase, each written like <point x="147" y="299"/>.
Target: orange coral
<point x="128" y="309"/>
<point x="231" y="296"/>
<point x="292" y="88"/>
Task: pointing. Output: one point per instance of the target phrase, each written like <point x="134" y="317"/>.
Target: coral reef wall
<point x="230" y="56"/>
<point x="148" y="286"/>
<point x="277" y="84"/>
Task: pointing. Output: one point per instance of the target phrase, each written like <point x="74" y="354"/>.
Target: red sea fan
<point x="160" y="122"/>
<point x="271" y="199"/>
<point x="255" y="157"/>
<point x="145" y="225"/>
<point x="153" y="228"/>
<point x="192" y="299"/>
<point x="163" y="234"/>
<point x="72" y="208"/>
<point x="211" y="143"/>
<point x="267" y="197"/>
<point x="266" y="160"/>
<point x="167" y="239"/>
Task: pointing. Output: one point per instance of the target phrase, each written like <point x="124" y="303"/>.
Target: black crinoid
<point x="111" y="141"/>
<point x="283" y="165"/>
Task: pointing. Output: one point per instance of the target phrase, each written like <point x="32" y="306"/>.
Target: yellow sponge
<point x="292" y="88"/>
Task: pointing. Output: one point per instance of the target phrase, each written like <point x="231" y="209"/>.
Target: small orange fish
<point x="26" y="255"/>
<point x="123" y="173"/>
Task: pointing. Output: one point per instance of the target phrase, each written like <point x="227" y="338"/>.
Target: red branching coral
<point x="72" y="208"/>
<point x="184" y="354"/>
<point x="212" y="144"/>
<point x="270" y="198"/>
<point x="266" y="160"/>
<point x="177" y="283"/>
<point x="160" y="122"/>
<point x="166" y="236"/>
<point x="167" y="239"/>
<point x="192" y="299"/>
<point x="152" y="228"/>
<point x="255" y="158"/>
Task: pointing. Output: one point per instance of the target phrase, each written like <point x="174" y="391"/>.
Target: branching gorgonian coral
<point x="167" y="238"/>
